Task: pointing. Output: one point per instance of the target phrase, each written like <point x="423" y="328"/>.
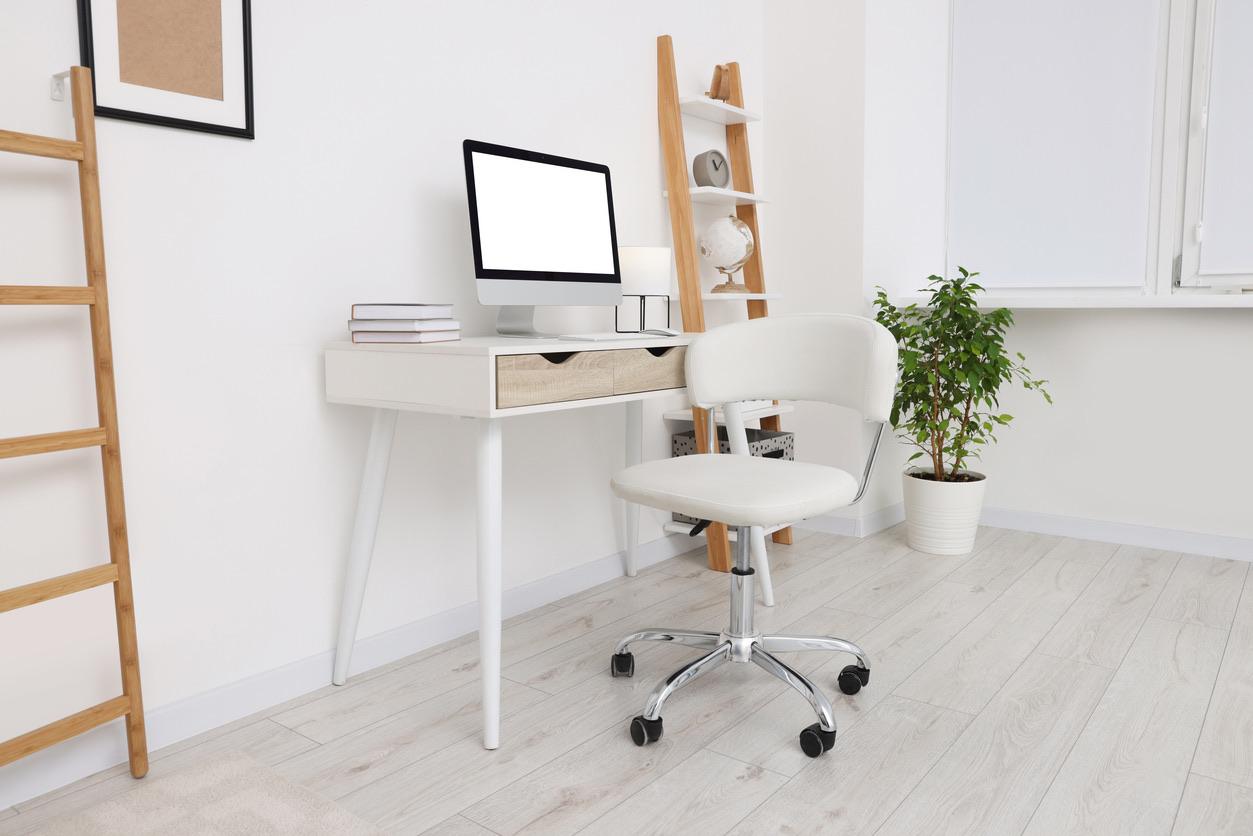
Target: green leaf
<point x="952" y="362"/>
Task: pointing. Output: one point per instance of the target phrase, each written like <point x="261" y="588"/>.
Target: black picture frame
<point x="86" y="50"/>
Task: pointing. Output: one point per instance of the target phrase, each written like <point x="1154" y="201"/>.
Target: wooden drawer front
<point x="528" y="379"/>
<point x="640" y="370"/>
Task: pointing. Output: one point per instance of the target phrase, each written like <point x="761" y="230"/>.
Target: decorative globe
<point x="727" y="244"/>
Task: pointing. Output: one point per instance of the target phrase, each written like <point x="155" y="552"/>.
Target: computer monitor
<point x="543" y="232"/>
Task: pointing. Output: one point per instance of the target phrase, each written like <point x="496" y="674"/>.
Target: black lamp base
<point x="643" y="317"/>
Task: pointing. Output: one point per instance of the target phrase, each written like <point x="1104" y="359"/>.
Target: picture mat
<point x="112" y="92"/>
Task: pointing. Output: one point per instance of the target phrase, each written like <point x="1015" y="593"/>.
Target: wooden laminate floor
<point x="1039" y="685"/>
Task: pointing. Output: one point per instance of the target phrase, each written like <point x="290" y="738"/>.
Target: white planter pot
<point x="942" y="517"/>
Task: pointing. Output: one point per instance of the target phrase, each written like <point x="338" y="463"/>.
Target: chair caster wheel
<point x="645" y="731"/>
<point x="853" y="678"/>
<point x="622" y="664"/>
<point x="815" y="741"/>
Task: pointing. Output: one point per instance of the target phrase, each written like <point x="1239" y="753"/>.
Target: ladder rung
<point x="33" y="294"/>
<point x="63" y="729"/>
<point x="40" y="146"/>
<point x="46" y="590"/>
<point x="29" y="445"/>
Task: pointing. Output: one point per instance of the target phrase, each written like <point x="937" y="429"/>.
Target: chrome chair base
<point x="740" y="643"/>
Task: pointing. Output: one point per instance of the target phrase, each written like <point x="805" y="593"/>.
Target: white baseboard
<point x="1126" y="534"/>
<point x="833" y="524"/>
<point x="856" y="526"/>
<point x="876" y="521"/>
<point x="104" y="747"/>
<point x="408" y="639"/>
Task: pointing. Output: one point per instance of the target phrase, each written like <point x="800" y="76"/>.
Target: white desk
<point x="485" y="379"/>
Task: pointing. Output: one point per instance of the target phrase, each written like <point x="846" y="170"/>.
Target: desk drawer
<point x="646" y="370"/>
<point x="528" y="379"/>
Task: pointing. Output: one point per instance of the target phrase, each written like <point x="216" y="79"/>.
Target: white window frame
<point x="1174" y="74"/>
<point x="1156" y="262"/>
<point x="1195" y="136"/>
<point x="1176" y="182"/>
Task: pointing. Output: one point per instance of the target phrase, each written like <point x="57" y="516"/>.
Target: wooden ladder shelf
<point x="725" y="87"/>
<point x="105" y="436"/>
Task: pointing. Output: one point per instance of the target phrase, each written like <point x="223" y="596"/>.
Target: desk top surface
<point x="497" y="345"/>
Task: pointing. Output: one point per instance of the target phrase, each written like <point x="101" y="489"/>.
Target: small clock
<point x="711" y="169"/>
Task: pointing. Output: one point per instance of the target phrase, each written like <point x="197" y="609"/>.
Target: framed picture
<point x="179" y="63"/>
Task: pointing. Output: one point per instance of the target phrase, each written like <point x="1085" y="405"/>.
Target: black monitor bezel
<point x="470" y="147"/>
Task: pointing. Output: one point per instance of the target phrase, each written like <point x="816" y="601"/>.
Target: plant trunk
<point x="961" y="436"/>
<point x="937" y="437"/>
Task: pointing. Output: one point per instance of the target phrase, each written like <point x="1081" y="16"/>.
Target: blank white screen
<point x="534" y="216"/>
<point x="1051" y="140"/>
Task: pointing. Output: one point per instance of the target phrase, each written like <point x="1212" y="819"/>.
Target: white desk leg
<point x="634" y="455"/>
<point x="489" y="536"/>
<point x="762" y="561"/>
<point x="369" y="504"/>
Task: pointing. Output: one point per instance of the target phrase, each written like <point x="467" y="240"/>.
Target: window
<point x="1050" y="162"/>
<point x="1217" y="234"/>
<point x="1078" y="153"/>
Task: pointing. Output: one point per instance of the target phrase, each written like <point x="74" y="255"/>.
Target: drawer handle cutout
<point x="659" y="350"/>
<point x="558" y="357"/>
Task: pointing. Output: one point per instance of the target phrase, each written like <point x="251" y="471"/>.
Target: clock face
<point x="711" y="169"/>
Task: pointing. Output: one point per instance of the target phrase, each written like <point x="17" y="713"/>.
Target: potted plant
<point x="952" y="363"/>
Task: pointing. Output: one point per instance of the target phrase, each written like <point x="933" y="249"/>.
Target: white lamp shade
<point x="645" y="270"/>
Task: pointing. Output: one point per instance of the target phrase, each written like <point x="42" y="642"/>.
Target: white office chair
<point x="849" y="361"/>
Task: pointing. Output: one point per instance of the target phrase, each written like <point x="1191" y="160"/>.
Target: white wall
<point x="815" y="81"/>
<point x="906" y="124"/>
<point x="232" y="262"/>
<point x="1148" y="426"/>
<point x="1150" y="408"/>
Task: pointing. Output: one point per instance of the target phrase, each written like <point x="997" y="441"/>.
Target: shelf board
<point x="715" y="110"/>
<point x="715" y="195"/>
<point x="1055" y="300"/>
<point x="672" y="527"/>
<point x="749" y="414"/>
<point x="738" y="297"/>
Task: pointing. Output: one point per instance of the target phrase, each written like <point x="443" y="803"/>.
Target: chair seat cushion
<point x="735" y="489"/>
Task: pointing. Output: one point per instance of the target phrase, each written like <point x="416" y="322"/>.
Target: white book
<point x="403" y="325"/>
<point x="405" y="336"/>
<point x="381" y="310"/>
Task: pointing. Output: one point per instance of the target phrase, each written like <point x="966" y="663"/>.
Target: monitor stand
<point x="519" y="321"/>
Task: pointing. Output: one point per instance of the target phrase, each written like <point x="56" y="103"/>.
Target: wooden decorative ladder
<point x="725" y="87"/>
<point x="105" y="436"/>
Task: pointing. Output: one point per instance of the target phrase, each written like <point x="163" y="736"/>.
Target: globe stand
<point x="730" y="285"/>
<point x="728" y="245"/>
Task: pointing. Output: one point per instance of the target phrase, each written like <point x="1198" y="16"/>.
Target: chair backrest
<point x="840" y="359"/>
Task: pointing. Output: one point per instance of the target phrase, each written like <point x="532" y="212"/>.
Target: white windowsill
<point x="1053" y="300"/>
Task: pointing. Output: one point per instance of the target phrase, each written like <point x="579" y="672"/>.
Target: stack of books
<point x="402" y="323"/>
